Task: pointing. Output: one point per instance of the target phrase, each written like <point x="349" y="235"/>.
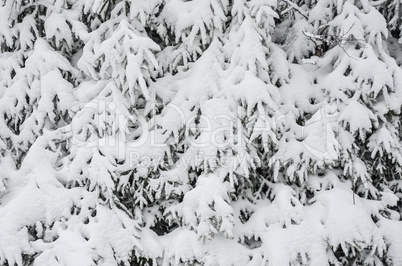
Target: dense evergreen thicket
<point x="200" y="132"/>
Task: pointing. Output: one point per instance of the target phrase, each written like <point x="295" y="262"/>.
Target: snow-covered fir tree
<point x="201" y="132"/>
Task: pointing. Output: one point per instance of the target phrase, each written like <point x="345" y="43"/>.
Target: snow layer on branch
<point x="208" y="132"/>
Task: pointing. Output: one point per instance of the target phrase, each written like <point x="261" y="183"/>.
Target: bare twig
<point x="331" y="39"/>
<point x="297" y="8"/>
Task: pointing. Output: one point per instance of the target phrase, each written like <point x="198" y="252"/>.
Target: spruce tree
<point x="203" y="132"/>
